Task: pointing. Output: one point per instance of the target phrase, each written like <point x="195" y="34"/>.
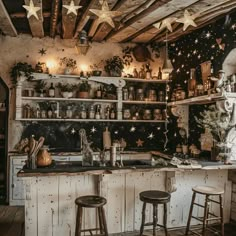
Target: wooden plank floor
<point x="12" y="224"/>
<point x="12" y="221"/>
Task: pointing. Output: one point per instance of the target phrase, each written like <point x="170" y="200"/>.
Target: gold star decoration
<point x="105" y="15"/>
<point x="188" y="20"/>
<point x="31" y="10"/>
<point x="42" y="51"/>
<point x="166" y="24"/>
<point x="71" y="8"/>
<point x="139" y="142"/>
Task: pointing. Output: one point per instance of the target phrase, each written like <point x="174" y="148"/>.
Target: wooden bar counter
<point x="50" y="195"/>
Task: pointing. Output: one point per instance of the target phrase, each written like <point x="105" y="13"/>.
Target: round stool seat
<point x="154" y="196"/>
<point x="208" y="190"/>
<point x="91" y="201"/>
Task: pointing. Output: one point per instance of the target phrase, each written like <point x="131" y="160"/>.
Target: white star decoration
<point x="105" y="15"/>
<point x="93" y="130"/>
<point x="73" y="131"/>
<point x="187" y="20"/>
<point x="31" y="10"/>
<point x="72" y="8"/>
<point x="165" y="24"/>
<point x="132" y="129"/>
<point x="151" y="136"/>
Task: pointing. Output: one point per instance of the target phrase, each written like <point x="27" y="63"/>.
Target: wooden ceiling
<point x="134" y="21"/>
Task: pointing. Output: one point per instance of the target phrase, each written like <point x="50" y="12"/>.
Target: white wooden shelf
<point x="70" y="99"/>
<point x="146" y="80"/>
<point x="205" y="99"/>
<point x="145" y="102"/>
<point x="89" y="120"/>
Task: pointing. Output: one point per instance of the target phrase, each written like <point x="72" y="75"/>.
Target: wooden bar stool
<point x="208" y="216"/>
<point x="154" y="197"/>
<point x="91" y="201"/>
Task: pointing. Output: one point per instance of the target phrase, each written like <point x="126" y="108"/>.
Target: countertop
<point x="76" y="168"/>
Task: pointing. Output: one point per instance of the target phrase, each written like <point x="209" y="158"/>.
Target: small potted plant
<point x="84" y="88"/>
<point x="21" y="69"/>
<point x="69" y="64"/>
<point x="114" y="66"/>
<point x="66" y="89"/>
<point x="39" y="87"/>
<point x="96" y="68"/>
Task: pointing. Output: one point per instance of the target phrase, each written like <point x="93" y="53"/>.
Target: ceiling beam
<point x="206" y="19"/>
<point x="84" y="18"/>
<point x="68" y="20"/>
<point x="128" y="7"/>
<point x="138" y="17"/>
<point x="36" y="25"/>
<point x="5" y="22"/>
<point x="54" y="17"/>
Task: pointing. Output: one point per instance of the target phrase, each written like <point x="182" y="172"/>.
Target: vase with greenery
<point x="114" y="66"/>
<point x="84" y="89"/>
<point x="69" y="64"/>
<point x="21" y="69"/>
<point x="218" y="123"/>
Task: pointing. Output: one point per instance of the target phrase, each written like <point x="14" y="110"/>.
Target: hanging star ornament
<point x="93" y="130"/>
<point x="151" y="136"/>
<point x="166" y="24"/>
<point x="187" y="20"/>
<point x="31" y="10"/>
<point x="105" y="15"/>
<point x="71" y="8"/>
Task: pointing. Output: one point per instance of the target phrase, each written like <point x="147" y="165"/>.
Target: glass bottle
<point x="83" y="113"/>
<point x="69" y="112"/>
<point x="51" y="91"/>
<point x="98" y="112"/>
<point x="148" y="72"/>
<point x="91" y="112"/>
<point x="139" y="94"/>
<point x="131" y="95"/>
<point x="159" y="76"/>
<point x="192" y="82"/>
<point x="49" y="112"/>
<point x="99" y="92"/>
<point x="113" y="113"/>
<point x="125" y="94"/>
<point x="135" y="73"/>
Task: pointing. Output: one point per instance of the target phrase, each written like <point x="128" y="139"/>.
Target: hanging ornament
<point x="165" y="24"/>
<point x="31" y="10"/>
<point x="132" y="129"/>
<point x="187" y="20"/>
<point x="71" y="8"/>
<point x="139" y="142"/>
<point x="73" y="131"/>
<point x="105" y="15"/>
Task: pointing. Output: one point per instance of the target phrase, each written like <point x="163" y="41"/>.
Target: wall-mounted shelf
<point x="204" y="99"/>
<point x="89" y="120"/>
<point x="144" y="102"/>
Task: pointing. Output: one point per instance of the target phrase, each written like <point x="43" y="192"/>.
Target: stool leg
<point x="101" y="223"/>
<point x="104" y="221"/>
<point x="154" y="218"/>
<point x="222" y="216"/>
<point x="206" y="209"/>
<point x="143" y="219"/>
<point x="190" y="213"/>
<point x="78" y="221"/>
<point x="165" y="219"/>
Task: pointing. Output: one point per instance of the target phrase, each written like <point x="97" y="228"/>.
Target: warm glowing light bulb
<point x="84" y="67"/>
<point x="51" y="65"/>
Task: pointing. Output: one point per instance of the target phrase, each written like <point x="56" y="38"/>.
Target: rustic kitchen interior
<point x="109" y="105"/>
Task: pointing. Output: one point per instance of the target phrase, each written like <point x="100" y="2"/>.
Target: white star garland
<point x="31" y="10"/>
<point x="187" y="20"/>
<point x="71" y="8"/>
<point x="105" y="15"/>
<point x="165" y="24"/>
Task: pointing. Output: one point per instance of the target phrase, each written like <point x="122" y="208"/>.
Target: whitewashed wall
<point x="26" y="49"/>
<point x="50" y="207"/>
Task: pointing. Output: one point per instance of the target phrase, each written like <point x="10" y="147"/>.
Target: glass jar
<point x="179" y="93"/>
<point x="139" y="94"/>
<point x="147" y="115"/>
<point x="125" y="94"/>
<point x="157" y="115"/>
<point x="91" y="112"/>
<point x="83" y="113"/>
<point x="126" y="114"/>
<point x="69" y="112"/>
<point x="152" y="96"/>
